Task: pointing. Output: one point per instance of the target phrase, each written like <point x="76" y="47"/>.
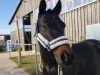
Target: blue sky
<point x="7" y="8"/>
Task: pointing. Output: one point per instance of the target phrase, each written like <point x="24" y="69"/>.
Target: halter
<point x="50" y="45"/>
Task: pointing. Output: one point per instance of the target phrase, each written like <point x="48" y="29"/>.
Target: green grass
<point x="1" y="52"/>
<point x="28" y="63"/>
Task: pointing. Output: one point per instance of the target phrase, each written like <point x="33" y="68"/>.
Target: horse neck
<point x="49" y="63"/>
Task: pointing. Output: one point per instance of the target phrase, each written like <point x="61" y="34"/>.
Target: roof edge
<point x="15" y="11"/>
<point x="4" y="34"/>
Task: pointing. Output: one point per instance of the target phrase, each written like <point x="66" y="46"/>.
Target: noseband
<point x="50" y="45"/>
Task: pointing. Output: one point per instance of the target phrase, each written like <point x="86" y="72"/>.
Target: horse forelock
<point x="49" y="11"/>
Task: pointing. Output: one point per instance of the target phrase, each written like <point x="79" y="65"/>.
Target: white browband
<point x="54" y="43"/>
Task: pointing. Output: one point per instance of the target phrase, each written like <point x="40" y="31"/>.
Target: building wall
<point x="3" y="40"/>
<point x="75" y="17"/>
<point x="14" y="35"/>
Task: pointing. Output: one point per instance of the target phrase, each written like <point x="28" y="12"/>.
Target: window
<point x="69" y="4"/>
<point x="80" y="2"/>
<point x="77" y="2"/>
<point x="66" y="4"/>
<point x="54" y="2"/>
<point x="92" y="31"/>
<point x="85" y="1"/>
<point x="50" y="4"/>
<point x="27" y="28"/>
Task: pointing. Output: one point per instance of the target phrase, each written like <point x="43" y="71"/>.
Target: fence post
<point x="19" y="48"/>
<point x="36" y="62"/>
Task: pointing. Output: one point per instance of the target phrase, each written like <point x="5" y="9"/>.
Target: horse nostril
<point x="67" y="58"/>
<point x="64" y="57"/>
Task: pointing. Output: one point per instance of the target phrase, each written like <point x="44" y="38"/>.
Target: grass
<point x="28" y="63"/>
<point x="1" y="52"/>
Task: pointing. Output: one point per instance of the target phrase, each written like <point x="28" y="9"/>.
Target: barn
<point x="79" y="16"/>
<point x="3" y="40"/>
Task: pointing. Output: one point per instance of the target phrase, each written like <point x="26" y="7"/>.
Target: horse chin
<point x="68" y="64"/>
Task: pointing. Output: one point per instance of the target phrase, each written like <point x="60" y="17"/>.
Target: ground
<point x="7" y="67"/>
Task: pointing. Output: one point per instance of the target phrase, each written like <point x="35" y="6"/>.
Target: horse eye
<point x="44" y="27"/>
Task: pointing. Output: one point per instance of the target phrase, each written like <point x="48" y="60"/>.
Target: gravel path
<point x="7" y="67"/>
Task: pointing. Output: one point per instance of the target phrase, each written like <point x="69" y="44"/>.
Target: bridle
<point x="51" y="45"/>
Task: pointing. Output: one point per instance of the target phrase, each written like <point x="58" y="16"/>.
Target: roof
<point x="4" y="34"/>
<point x="20" y="1"/>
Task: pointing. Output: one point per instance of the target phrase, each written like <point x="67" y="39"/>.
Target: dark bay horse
<point x="78" y="59"/>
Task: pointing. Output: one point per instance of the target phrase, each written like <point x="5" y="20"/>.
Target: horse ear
<point x="57" y="8"/>
<point x="42" y="7"/>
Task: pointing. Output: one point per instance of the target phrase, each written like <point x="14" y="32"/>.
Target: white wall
<point x="93" y="31"/>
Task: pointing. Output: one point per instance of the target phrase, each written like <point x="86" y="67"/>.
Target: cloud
<point x="4" y="31"/>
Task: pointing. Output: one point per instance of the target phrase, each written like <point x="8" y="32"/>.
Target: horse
<point x="81" y="58"/>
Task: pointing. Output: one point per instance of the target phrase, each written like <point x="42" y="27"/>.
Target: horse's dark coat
<point x="87" y="59"/>
<point x="49" y="62"/>
<point x="87" y="53"/>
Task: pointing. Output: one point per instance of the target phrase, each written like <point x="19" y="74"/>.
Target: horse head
<point x="51" y="28"/>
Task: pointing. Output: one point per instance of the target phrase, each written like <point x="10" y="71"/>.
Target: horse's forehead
<point x="49" y="15"/>
<point x="46" y="18"/>
<point x="51" y="18"/>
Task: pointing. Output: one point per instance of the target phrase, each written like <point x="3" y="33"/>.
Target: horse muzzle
<point x="67" y="58"/>
<point x="64" y="55"/>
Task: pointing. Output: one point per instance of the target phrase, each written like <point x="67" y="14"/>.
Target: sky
<point x="7" y="8"/>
